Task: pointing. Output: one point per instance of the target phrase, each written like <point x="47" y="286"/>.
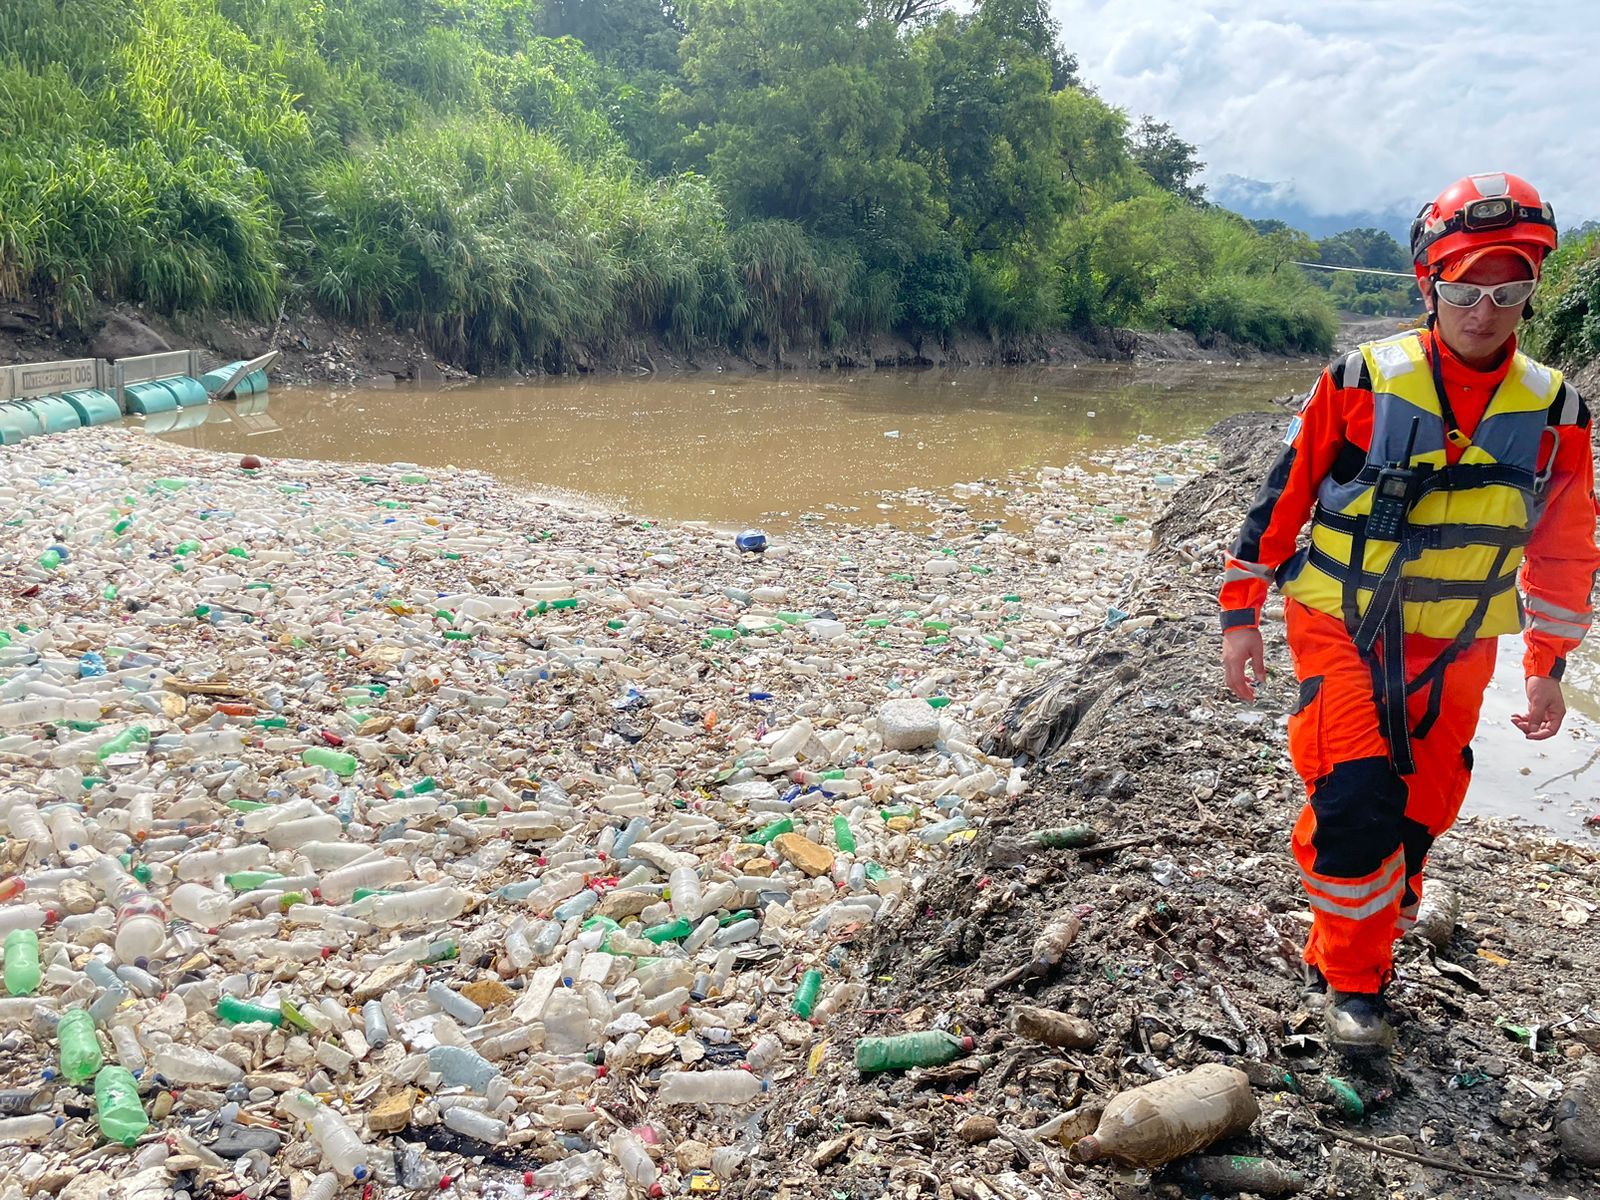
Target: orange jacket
<point x="1558" y="571"/>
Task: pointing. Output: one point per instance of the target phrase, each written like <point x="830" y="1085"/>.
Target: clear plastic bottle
<point x="373" y="1026"/>
<point x="197" y="903"/>
<point x="129" y="1051"/>
<point x="25" y="823"/>
<point x="192" y="1065"/>
<point x="684" y="884"/>
<point x="571" y="1172"/>
<point x="461" y="1067"/>
<point x="477" y="1125"/>
<point x="731" y="1087"/>
<point x="568" y="1027"/>
<point x="341" y="1148"/>
<point x="141" y="928"/>
<point x="428" y="906"/>
<point x="339" y="885"/>
<point x="638" y="1168"/>
<point x="29" y="1130"/>
<point x="454" y="1003"/>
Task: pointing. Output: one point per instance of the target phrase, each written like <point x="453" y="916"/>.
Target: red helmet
<point x="1477" y="212"/>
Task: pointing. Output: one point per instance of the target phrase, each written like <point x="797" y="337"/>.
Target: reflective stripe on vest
<point x="1473" y="517"/>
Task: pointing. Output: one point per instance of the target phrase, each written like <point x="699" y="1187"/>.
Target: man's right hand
<point x="1242" y="648"/>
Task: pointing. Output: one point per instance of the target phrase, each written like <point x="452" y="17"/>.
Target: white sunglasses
<point x="1505" y="295"/>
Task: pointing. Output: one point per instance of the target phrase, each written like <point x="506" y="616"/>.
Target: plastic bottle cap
<point x="1087" y="1149"/>
<point x="359" y="1174"/>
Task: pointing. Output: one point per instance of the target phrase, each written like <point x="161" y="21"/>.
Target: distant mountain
<point x="1259" y="199"/>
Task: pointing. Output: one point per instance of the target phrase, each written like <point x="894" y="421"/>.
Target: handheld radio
<point x="1393" y="493"/>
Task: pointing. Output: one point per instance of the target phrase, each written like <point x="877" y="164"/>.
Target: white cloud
<point x="1359" y="105"/>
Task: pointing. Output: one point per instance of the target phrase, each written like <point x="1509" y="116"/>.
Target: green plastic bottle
<point x="187" y="546"/>
<point x="420" y="788"/>
<point x="249" y="881"/>
<point x="22" y="962"/>
<point x="925" y="1048"/>
<point x="805" y="996"/>
<point x="49" y="560"/>
<point x="126" y="740"/>
<point x="81" y="1055"/>
<point x="117" y="1107"/>
<point x="341" y="764"/>
<point x="777" y="829"/>
<point x="842" y="837"/>
<point x="1066" y="837"/>
<point x="668" y="931"/>
<point x="239" y="1012"/>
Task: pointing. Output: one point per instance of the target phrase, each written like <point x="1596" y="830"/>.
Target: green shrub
<point x="1566" y="323"/>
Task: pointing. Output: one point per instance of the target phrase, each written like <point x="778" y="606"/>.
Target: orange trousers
<point x="1364" y="834"/>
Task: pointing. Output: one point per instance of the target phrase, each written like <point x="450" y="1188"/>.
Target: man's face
<point x="1476" y="334"/>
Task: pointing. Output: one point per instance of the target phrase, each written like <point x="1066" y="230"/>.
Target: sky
<point x="1356" y="106"/>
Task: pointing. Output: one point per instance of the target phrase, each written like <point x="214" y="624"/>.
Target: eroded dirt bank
<point x="1188" y="952"/>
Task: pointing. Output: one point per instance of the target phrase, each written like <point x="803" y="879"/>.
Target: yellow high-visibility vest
<point x="1468" y="522"/>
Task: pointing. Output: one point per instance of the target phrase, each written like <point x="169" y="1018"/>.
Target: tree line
<point x="518" y="178"/>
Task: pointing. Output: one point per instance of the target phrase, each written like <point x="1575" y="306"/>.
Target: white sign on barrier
<point x="146" y="367"/>
<point x="26" y="380"/>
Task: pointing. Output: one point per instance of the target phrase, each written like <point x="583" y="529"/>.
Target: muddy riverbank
<point x="316" y="349"/>
<point x="1189" y="948"/>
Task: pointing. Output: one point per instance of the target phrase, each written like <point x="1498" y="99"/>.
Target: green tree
<point x="800" y="110"/>
<point x="1167" y="159"/>
<point x="989" y="138"/>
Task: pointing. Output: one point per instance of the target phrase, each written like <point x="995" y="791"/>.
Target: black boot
<point x="1358" y="1023"/>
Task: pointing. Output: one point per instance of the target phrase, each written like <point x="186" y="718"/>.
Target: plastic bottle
<point x="925" y="1048"/>
<point x="341" y="764"/>
<point x="78" y="1045"/>
<point x="192" y="1065"/>
<point x="239" y="1012"/>
<point x="1151" y="1125"/>
<point x="121" y="1116"/>
<point x="22" y="973"/>
<point x="805" y="996"/>
<point x="341" y="1148"/>
<point x="1437" y="913"/>
<point x="129" y="1052"/>
<point x="141" y="928"/>
<point x="1233" y="1173"/>
<point x="461" y="1067"/>
<point x="454" y="1003"/>
<point x="732" y="1087"/>
<point x="571" y="1172"/>
<point x="684" y="884"/>
<point x="474" y="1124"/>
<point x="29" y="1130"/>
<point x="638" y="1168"/>
<point x="428" y="906"/>
<point x="198" y="903"/>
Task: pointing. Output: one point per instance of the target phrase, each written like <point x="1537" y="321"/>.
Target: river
<point x="771" y="451"/>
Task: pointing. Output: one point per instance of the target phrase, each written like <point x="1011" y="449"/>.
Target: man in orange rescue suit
<point x="1434" y="466"/>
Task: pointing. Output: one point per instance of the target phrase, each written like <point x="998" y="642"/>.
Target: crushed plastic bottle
<point x="1151" y="1125"/>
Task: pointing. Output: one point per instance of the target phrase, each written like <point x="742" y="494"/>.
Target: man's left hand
<point x="1546" y="709"/>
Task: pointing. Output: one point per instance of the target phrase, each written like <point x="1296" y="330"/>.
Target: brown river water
<point x="773" y="451"/>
